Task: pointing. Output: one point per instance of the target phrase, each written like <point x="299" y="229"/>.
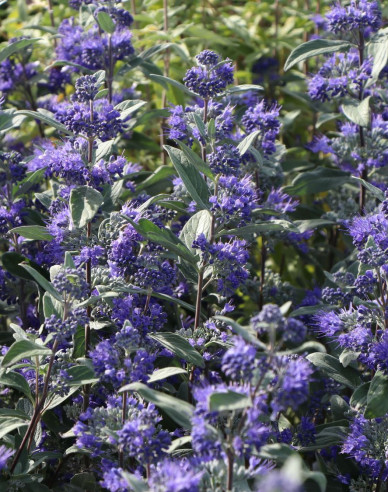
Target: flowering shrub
<point x="193" y="270"/>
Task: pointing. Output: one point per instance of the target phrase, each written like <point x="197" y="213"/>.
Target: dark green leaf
<point x="164" y="237"/>
<point x="359" y="398"/>
<point x="45" y="118"/>
<point x="199" y="223"/>
<point x="179" y="346"/>
<point x="80" y="375"/>
<point x="105" y="22"/>
<point x="377" y="50"/>
<point x="44" y="283"/>
<point x="247" y="142"/>
<point x="165" y="373"/>
<point x="261" y="228"/>
<point x="160" y="174"/>
<point x="12" y="48"/>
<point x="84" y="204"/>
<point x="308" y="224"/>
<point x="358" y="112"/>
<point x="377" y="401"/>
<point x="37" y="232"/>
<point x="321" y="179"/>
<point x="376" y="192"/>
<point x="16" y="381"/>
<point x="23" y="349"/>
<point x="180" y="411"/>
<point x="228" y="401"/>
<point x="278" y="452"/>
<point x="244" y="87"/>
<point x="314" y="48"/>
<point x="196" y="160"/>
<point x="334" y="369"/>
<point x="164" y="81"/>
<point x="194" y="182"/>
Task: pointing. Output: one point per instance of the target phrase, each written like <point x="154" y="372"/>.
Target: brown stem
<point x="166" y="70"/>
<point x="305" y="39"/>
<point x="199" y="299"/>
<point x="147" y="303"/>
<point x="31" y="99"/>
<point x="364" y="175"/>
<point x="110" y="70"/>
<point x="229" y="483"/>
<point x="123" y="418"/>
<point x="37" y="412"/>
<point x="262" y="274"/>
<point x="205" y="111"/>
<point x="51" y="13"/>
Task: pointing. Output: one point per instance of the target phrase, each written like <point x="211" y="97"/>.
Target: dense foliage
<point x="194" y="246"/>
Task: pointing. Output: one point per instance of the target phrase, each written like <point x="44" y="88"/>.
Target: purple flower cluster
<point x="211" y="77"/>
<point x="358" y="15"/>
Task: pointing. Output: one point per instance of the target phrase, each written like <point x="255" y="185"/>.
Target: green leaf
<point x="85" y="480"/>
<point x="165" y="373"/>
<point x="84" y="204"/>
<point x="377" y="50"/>
<point x="358" y="113"/>
<point x="377" y="401"/>
<point x="376" y="192"/>
<point x="105" y="22"/>
<point x="359" y="398"/>
<point x="199" y="223"/>
<point x="44" y="283"/>
<point x="23" y="349"/>
<point x="127" y="108"/>
<point x="261" y="228"/>
<point x="165" y="81"/>
<point x="104" y="149"/>
<point x="318" y="477"/>
<point x="316" y="181"/>
<point x="334" y="369"/>
<point x="314" y="48"/>
<point x="278" y="452"/>
<point x="11" y="262"/>
<point x="325" y="118"/>
<point x="246" y="332"/>
<point x="61" y="63"/>
<point x="180" y="411"/>
<point x="49" y="306"/>
<point x="196" y="160"/>
<point x="179" y="346"/>
<point x="16" y="381"/>
<point x="28" y="182"/>
<point x="248" y="142"/>
<point x="338" y="407"/>
<point x="37" y="232"/>
<point x="228" y="401"/>
<point x="308" y="224"/>
<point x="160" y="174"/>
<point x="307" y="310"/>
<point x="54" y="400"/>
<point x="12" y="48"/>
<point x="164" y="237"/>
<point x="135" y="483"/>
<point x="348" y="356"/>
<point x="244" y="87"/>
<point x="179" y="443"/>
<point x="80" y="375"/>
<point x="9" y="424"/>
<point x="45" y="117"/>
<point x="194" y="182"/>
